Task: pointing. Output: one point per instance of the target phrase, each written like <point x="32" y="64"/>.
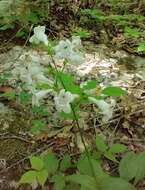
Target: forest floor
<point x="127" y="125"/>
<point x="118" y="65"/>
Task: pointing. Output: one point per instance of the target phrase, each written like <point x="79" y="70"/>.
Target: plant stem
<point x="78" y="126"/>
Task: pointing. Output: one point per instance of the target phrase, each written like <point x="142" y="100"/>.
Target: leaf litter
<point x="126" y="125"/>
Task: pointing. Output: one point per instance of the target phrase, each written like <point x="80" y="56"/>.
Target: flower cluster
<point x="66" y="49"/>
<point x="70" y="50"/>
<point x="31" y="74"/>
<point x="39" y="36"/>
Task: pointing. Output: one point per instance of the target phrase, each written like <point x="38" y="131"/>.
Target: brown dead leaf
<point x="6" y="89"/>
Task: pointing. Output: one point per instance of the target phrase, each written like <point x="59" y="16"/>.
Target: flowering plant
<point x="61" y="85"/>
<point x="68" y="95"/>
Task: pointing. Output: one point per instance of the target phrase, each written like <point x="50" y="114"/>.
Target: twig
<point x="136" y="112"/>
<point x="15" y="137"/>
<point x="112" y="134"/>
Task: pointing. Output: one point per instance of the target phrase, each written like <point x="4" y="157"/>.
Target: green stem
<point x="78" y="126"/>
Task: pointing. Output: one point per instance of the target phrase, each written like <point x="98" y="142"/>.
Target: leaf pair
<point x="42" y="168"/>
<point x="109" y="152"/>
<point x="37" y="176"/>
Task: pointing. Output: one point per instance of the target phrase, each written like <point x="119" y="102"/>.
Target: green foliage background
<point x="114" y="22"/>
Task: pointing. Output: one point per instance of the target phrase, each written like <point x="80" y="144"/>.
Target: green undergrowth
<point x="86" y="172"/>
<point x="52" y="94"/>
<point x="119" y="23"/>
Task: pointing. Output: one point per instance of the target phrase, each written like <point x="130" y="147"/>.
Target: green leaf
<point x="140" y="174"/>
<point x="132" y="32"/>
<point x="83" y="180"/>
<point x="84" y="188"/>
<point x="68" y="82"/>
<point x="29" y="177"/>
<point x="5" y="77"/>
<point x="75" y="89"/>
<point x="51" y="48"/>
<point x="33" y="18"/>
<point x="20" y="34"/>
<point x="39" y="123"/>
<point x="24" y="97"/>
<point x="9" y="95"/>
<point x="111" y="183"/>
<point x="114" y="91"/>
<point x="84" y="167"/>
<point x="65" y="78"/>
<point x="117" y="148"/>
<point x="128" y="166"/>
<point x="51" y="163"/>
<point x="43" y="86"/>
<point x="59" y="182"/>
<point x="141" y="47"/>
<point x="65" y="163"/>
<point x="36" y="163"/>
<point x="110" y="156"/>
<point x="66" y="116"/>
<point x="100" y="144"/>
<point x="42" y="177"/>
<point x="90" y="85"/>
<point x="40" y="110"/>
<point x="7" y="26"/>
<point x="38" y="126"/>
<point x="132" y="166"/>
<point x="82" y="33"/>
<point x="72" y="186"/>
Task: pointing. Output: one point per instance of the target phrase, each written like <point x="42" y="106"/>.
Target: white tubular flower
<point x="106" y="109"/>
<point x="76" y="41"/>
<point x="39" y="36"/>
<point x="63" y="49"/>
<point x="41" y="78"/>
<point x="25" y="76"/>
<point x="63" y="100"/>
<point x="32" y="75"/>
<point x="34" y="68"/>
<point x="36" y="73"/>
<point x="38" y="96"/>
<point x="76" y="58"/>
<point x="69" y="50"/>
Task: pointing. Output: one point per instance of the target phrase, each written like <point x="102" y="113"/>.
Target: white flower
<point x="63" y="100"/>
<point x="76" y="41"/>
<point x="25" y="76"/>
<point x="36" y="72"/>
<point x="76" y="58"/>
<point x="106" y="109"/>
<point x="69" y="50"/>
<point x="38" y="96"/>
<point x="34" y="68"/>
<point x="28" y="75"/>
<point x="31" y="75"/>
<point x="63" y="49"/>
<point x="39" y="36"/>
<point x="41" y="78"/>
